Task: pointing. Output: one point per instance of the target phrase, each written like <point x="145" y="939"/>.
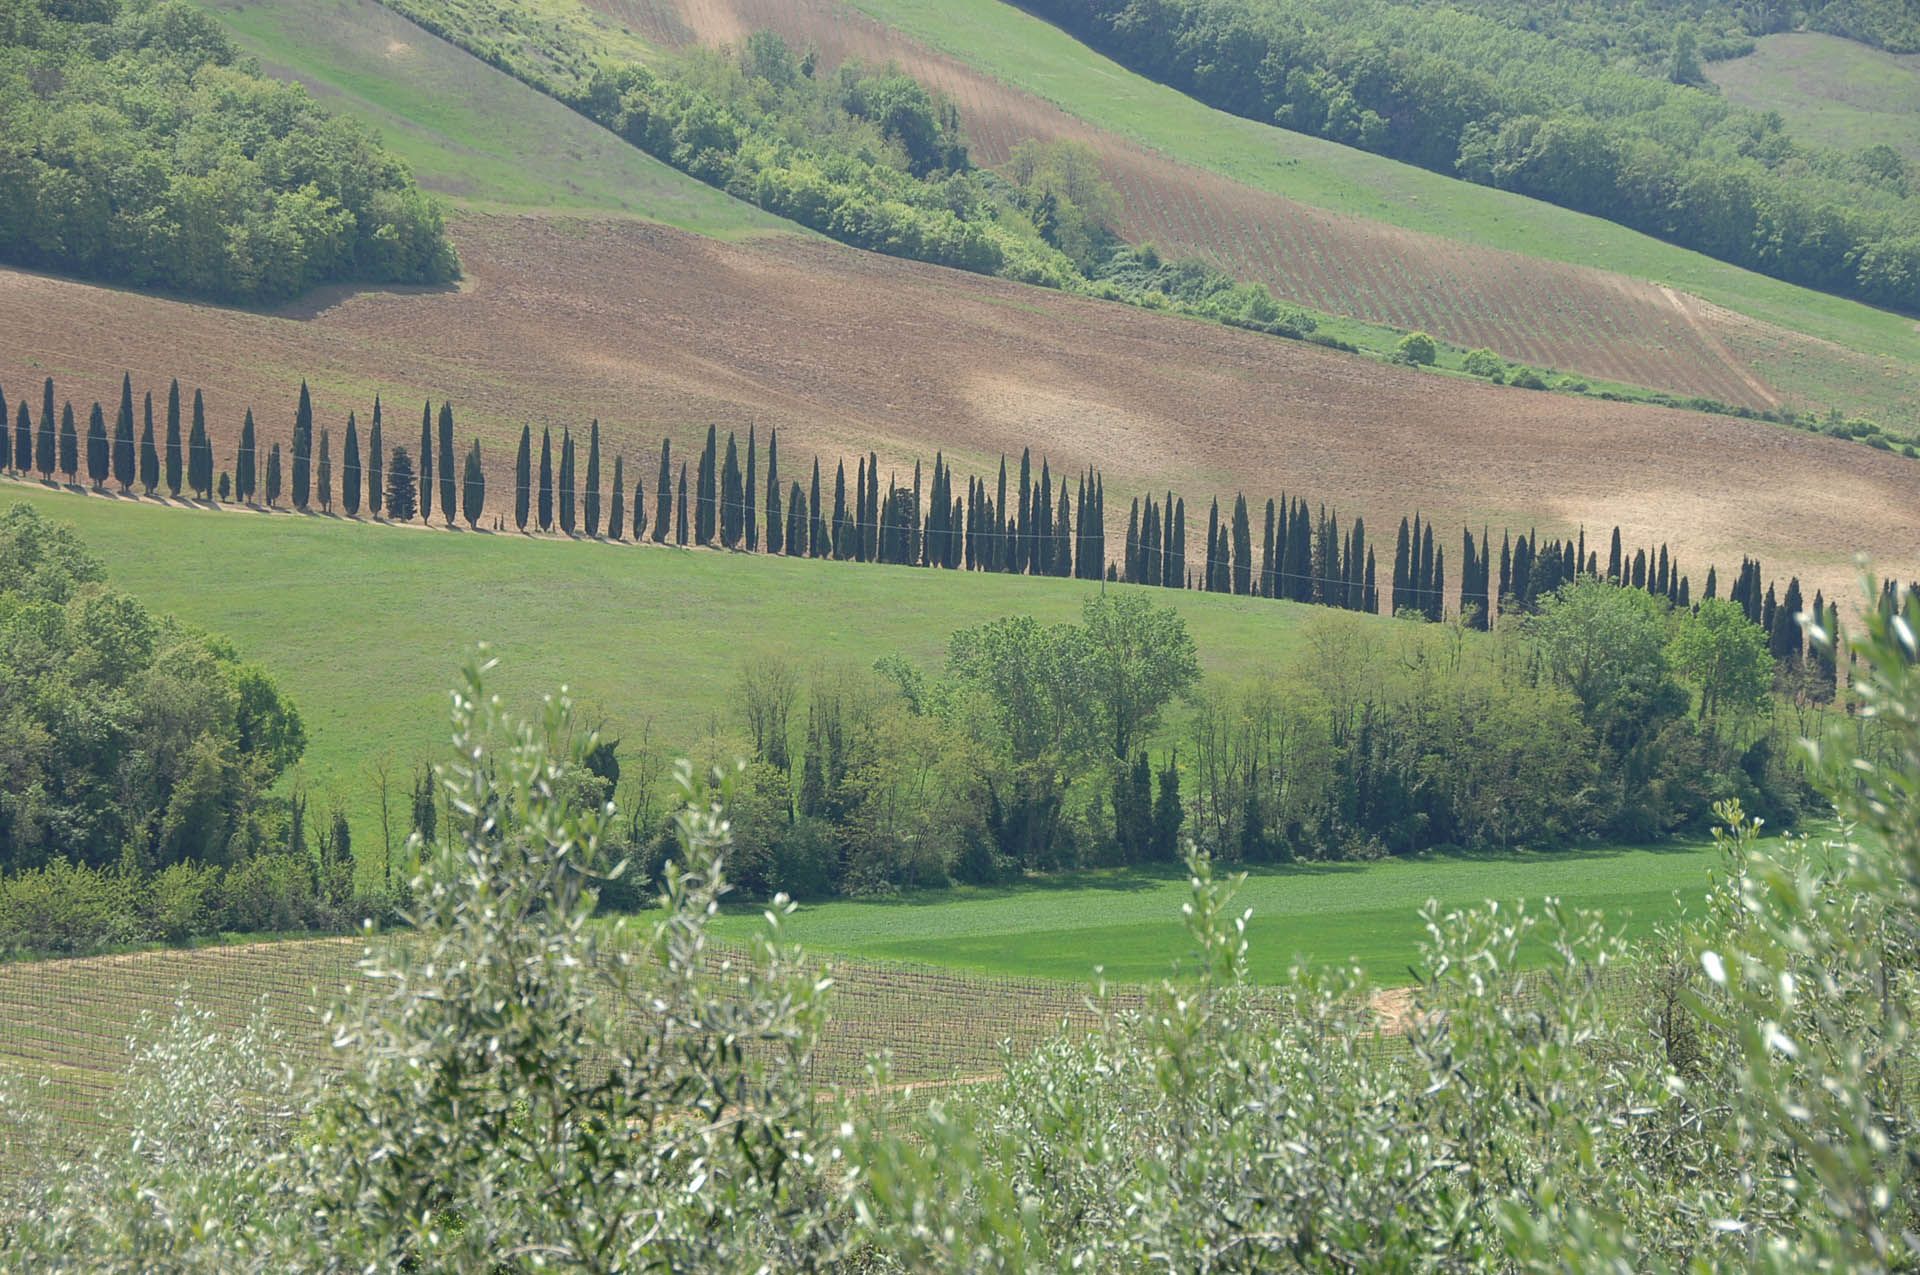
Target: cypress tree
<point x="22" y="438"/>
<point x="149" y="451"/>
<point x="1371" y="604"/>
<point x="797" y="523"/>
<point x="123" y="453"/>
<point x="873" y="507"/>
<point x="245" y="463"/>
<point x="703" y="520"/>
<point x="1614" y="561"/>
<point x="1175" y="577"/>
<point x="591" y="496"/>
<point x="523" y="479"/>
<point x="663" y="498"/>
<point x="303" y="449"/>
<point x="44" y="452"/>
<point x="816" y="525"/>
<point x="97" y="448"/>
<point x="1242" y="547"/>
<point x="352" y="476"/>
<point x="1134" y="553"/>
<point x="775" y="539"/>
<point x="402" y="494"/>
<point x="447" y="481"/>
<point x="1787" y="640"/>
<point x="1768" y="609"/>
<point x="325" y="483"/>
<point x="680" y="528"/>
<point x="473" y="488"/>
<point x="1437" y="609"/>
<point x="376" y="463"/>
<point x="173" y="467"/>
<point x="423" y="489"/>
<point x="1043" y="521"/>
<point x="567" y="490"/>
<point x="617" y="514"/>
<point x="1639" y="568"/>
<point x="546" y="478"/>
<point x="842" y="525"/>
<point x="1267" y="570"/>
<point x="1213" y="545"/>
<point x="749" y="515"/>
<point x="860" y="509"/>
<point x="6" y="432"/>
<point x="200" y="449"/>
<point x="731" y="503"/>
<point x="1062" y="563"/>
<point x="1023" y="555"/>
<point x="273" y="476"/>
<point x="639" y="511"/>
<point x="1001" y="554"/>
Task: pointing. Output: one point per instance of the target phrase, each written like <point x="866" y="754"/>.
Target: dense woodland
<point x="138" y="147"/>
<point x="1479" y="93"/>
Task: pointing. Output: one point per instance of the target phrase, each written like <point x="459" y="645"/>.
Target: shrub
<point x="1417" y="349"/>
<point x="1527" y="379"/>
<point x="181" y="902"/>
<point x="1484" y="362"/>
<point x="66" y="908"/>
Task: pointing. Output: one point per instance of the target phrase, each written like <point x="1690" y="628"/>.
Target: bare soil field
<point x="1547" y="313"/>
<point x="655" y="331"/>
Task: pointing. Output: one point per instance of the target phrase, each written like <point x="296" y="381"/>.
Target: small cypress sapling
<point x="149" y="452"/>
<point x="617" y="513"/>
<point x="591" y="497"/>
<point x="401" y="495"/>
<point x="423" y="492"/>
<point x="174" y="467"/>
<point x="273" y="476"/>
<point x="98" y="449"/>
<point x="447" y="479"/>
<point x="351" y="475"/>
<point x="324" y="477"/>
<point x="546" y="478"/>
<point x="303" y="449"/>
<point x="376" y="463"/>
<point x="473" y="488"/>
<point x="123" y="443"/>
<point x="523" y="478"/>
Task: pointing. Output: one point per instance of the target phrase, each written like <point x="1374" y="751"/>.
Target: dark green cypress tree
<point x="1426" y="584"/>
<point x="473" y="488"/>
<point x="1639" y="568"/>
<point x="1242" y="547"/>
<point x="1614" y="561"/>
<point x="6" y="432"/>
<point x="98" y="449"/>
<point x="402" y="491"/>
<point x="1787" y="641"/>
<point x="1062" y="563"/>
<point x="797" y="523"/>
<point x="447" y="480"/>
<point x="639" y="511"/>
<point x="663" y="498"/>
<point x="1177" y="540"/>
<point x="303" y="449"/>
<point x="175" y="467"/>
<point x="776" y="539"/>
<point x="732" y="504"/>
<point x="816" y="525"/>
<point x="617" y="515"/>
<point x="1135" y="552"/>
<point x="1002" y="552"/>
<point x="1043" y="521"/>
<point x="873" y="507"/>
<point x="523" y="479"/>
<point x="1213" y="544"/>
<point x="567" y="493"/>
<point x="860" y="509"/>
<point x="707" y="478"/>
<point x="1371" y="605"/>
<point x="245" y="461"/>
<point x="22" y="438"/>
<point x="423" y="489"/>
<point x="273" y="476"/>
<point x="200" y="449"/>
<point x="1437" y="590"/>
<point x="680" y="527"/>
<point x="149" y="450"/>
<point x="1268" y="570"/>
<point x="591" y="498"/>
<point x="352" y="475"/>
<point x="546" y="478"/>
<point x="324" y="479"/>
<point x="123" y="453"/>
<point x="1168" y="814"/>
<point x="842" y="524"/>
<point x="376" y="463"/>
<point x="1023" y="554"/>
<point x="44" y="453"/>
<point x="751" y="516"/>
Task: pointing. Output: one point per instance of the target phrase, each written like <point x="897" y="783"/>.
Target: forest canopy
<point x="138" y="147"/>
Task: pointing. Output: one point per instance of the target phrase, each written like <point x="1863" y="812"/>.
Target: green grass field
<point x="367" y="626"/>
<point x="1030" y="54"/>
<point x="1129" y="921"/>
<point x="468" y="131"/>
<point x="1830" y="90"/>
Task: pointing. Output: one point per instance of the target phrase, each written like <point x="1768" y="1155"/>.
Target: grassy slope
<point x="367" y="626"/>
<point x="470" y="132"/>
<point x="1030" y="54"/>
<point x="1129" y="922"/>
<point x="1830" y="90"/>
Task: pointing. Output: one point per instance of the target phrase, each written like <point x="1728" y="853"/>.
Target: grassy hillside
<point x="1128" y="921"/>
<point x="469" y="132"/>
<point x="1830" y="90"/>
<point x="367" y="626"/>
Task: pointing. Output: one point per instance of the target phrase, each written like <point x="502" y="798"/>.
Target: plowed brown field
<point x="1547" y="313"/>
<point x="653" y="330"/>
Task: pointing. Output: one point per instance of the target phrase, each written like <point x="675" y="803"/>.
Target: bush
<point x="272" y="893"/>
<point x="181" y="902"/>
<point x="1527" y="379"/>
<point x="67" y="909"/>
<point x="1485" y="363"/>
<point x="1417" y="349"/>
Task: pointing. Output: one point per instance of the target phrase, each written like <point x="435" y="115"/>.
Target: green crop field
<point x="367" y="626"/>
<point x="1128" y="921"/>
<point x="468" y="131"/>
<point x="1030" y="54"/>
<point x="1830" y="90"/>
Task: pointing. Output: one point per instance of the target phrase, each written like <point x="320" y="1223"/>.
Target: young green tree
<point x="376" y="463"/>
<point x="473" y="488"/>
<point x="352" y="474"/>
<point x="302" y="450"/>
<point x="1725" y="656"/>
<point x="149" y="451"/>
<point x="523" y="478"/>
<point x="124" y="470"/>
<point x="401" y="495"/>
<point x="447" y="479"/>
<point x="175" y="467"/>
<point x="1138" y="657"/>
<point x="99" y="450"/>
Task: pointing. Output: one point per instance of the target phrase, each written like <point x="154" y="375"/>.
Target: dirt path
<point x="1686" y="306"/>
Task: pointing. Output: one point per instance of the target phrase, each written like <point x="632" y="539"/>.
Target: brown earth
<point x="1542" y="312"/>
<point x="656" y="331"/>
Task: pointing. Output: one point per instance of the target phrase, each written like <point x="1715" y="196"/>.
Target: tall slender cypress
<point x="749" y="515"/>
<point x="816" y="525"/>
<point x="424" y="487"/>
<point x="447" y="480"/>
<point x="174" y="465"/>
<point x="663" y="498"/>
<point x="731" y="503"/>
<point x="97" y="448"/>
<point x="43" y="458"/>
<point x="546" y="478"/>
<point x="617" y="513"/>
<point x="245" y="462"/>
<point x="303" y="449"/>
<point x="200" y="449"/>
<point x="352" y="475"/>
<point x="873" y="507"/>
<point x="69" y="444"/>
<point x="376" y="463"/>
<point x="842" y="524"/>
<point x="796" y="528"/>
<point x="123" y="453"/>
<point x="523" y="478"/>
<point x="567" y="492"/>
<point x="775" y="529"/>
<point x="23" y="438"/>
<point x="639" y="510"/>
<point x="680" y="526"/>
<point x="590" y="497"/>
<point x="402" y="496"/>
<point x="860" y="509"/>
<point x="273" y="476"/>
<point x="473" y="488"/>
<point x="707" y="478"/>
<point x="324" y="484"/>
<point x="149" y="453"/>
